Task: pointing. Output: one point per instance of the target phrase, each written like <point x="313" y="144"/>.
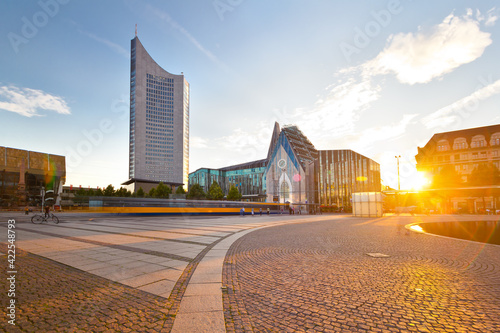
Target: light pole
<point x="399" y="181"/>
<point x="399" y="184"/>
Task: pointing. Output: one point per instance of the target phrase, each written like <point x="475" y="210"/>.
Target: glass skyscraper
<point x="159" y="121"/>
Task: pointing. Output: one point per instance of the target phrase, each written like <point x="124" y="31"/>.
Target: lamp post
<point x="399" y="184"/>
<point x="399" y="181"/>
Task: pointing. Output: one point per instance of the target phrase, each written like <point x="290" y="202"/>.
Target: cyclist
<point x="47" y="211"/>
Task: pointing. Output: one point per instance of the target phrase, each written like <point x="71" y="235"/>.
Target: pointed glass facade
<point x="296" y="172"/>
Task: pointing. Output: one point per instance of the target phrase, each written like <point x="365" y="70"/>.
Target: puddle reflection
<point x="479" y="231"/>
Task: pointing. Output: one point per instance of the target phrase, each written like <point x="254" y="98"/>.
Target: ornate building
<point x="461" y="161"/>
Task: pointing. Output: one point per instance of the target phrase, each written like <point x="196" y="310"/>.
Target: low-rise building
<point x="26" y="175"/>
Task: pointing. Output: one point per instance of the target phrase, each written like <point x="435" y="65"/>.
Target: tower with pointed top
<point x="159" y="121"/>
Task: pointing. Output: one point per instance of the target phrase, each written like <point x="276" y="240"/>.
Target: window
<point x="478" y="141"/>
<point x="460" y="143"/>
<point x="495" y="139"/>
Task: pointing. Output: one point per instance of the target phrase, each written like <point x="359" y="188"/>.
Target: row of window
<point x="157" y="78"/>
<point x="465" y="156"/>
<point x="461" y="143"/>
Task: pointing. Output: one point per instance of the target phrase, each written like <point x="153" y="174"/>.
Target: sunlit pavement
<point x="133" y="273"/>
<point x="335" y="273"/>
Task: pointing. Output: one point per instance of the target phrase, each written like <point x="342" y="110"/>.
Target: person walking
<point x="252" y="212"/>
<point x="260" y="211"/>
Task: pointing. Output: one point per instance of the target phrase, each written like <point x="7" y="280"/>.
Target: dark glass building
<point x="340" y="173"/>
<point x="25" y="174"/>
<point x="249" y="178"/>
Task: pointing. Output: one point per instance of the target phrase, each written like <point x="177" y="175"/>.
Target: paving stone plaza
<point x="326" y="273"/>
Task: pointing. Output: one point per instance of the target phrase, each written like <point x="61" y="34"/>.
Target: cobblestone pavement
<point x="319" y="277"/>
<point x="53" y="297"/>
<point x="114" y="274"/>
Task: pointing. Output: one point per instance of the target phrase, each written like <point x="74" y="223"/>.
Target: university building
<point x="296" y="172"/>
<point x="463" y="166"/>
<point x="159" y="123"/>
<point x="248" y="177"/>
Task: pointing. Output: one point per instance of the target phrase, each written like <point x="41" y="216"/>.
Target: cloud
<point x="198" y="142"/>
<point x="383" y="133"/>
<point x="335" y="115"/>
<point x="491" y="18"/>
<point x="164" y="16"/>
<point x="28" y="102"/>
<point x="425" y="55"/>
<point x="461" y="108"/>
<point x="115" y="47"/>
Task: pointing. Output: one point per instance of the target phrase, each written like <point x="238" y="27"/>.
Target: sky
<point x="377" y="77"/>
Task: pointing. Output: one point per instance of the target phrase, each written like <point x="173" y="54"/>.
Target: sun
<point x="418" y="181"/>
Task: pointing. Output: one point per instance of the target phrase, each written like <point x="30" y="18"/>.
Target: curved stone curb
<point x="201" y="308"/>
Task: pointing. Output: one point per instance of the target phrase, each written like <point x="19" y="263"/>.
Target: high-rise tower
<point x="159" y="121"/>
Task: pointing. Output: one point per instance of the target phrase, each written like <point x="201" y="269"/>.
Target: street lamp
<point x="399" y="181"/>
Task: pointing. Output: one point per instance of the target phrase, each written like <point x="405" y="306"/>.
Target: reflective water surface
<point x="479" y="231"/>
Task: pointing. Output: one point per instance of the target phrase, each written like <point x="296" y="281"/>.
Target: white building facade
<point x="159" y="121"/>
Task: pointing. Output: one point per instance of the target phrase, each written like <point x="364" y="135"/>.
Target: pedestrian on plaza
<point x="242" y="212"/>
<point x="252" y="212"/>
<point x="268" y="211"/>
<point x="260" y="211"/>
<point x="26" y="210"/>
<point x="47" y="211"/>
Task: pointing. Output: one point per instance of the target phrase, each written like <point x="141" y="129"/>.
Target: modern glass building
<point x="296" y="172"/>
<point x="340" y="173"/>
<point x="25" y="174"/>
<point x="249" y="178"/>
<point x="159" y="121"/>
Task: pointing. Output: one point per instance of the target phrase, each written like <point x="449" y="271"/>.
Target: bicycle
<point x="40" y="218"/>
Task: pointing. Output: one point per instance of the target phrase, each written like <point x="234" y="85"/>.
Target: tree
<point x="196" y="192"/>
<point x="81" y="192"/>
<point x="234" y="194"/>
<point x="215" y="192"/>
<point x="446" y="178"/>
<point x="140" y="192"/>
<point x="152" y="192"/>
<point x="162" y="191"/>
<point x="180" y="190"/>
<point x="123" y="192"/>
<point x="485" y="174"/>
<point x="98" y="193"/>
<point x="109" y="191"/>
